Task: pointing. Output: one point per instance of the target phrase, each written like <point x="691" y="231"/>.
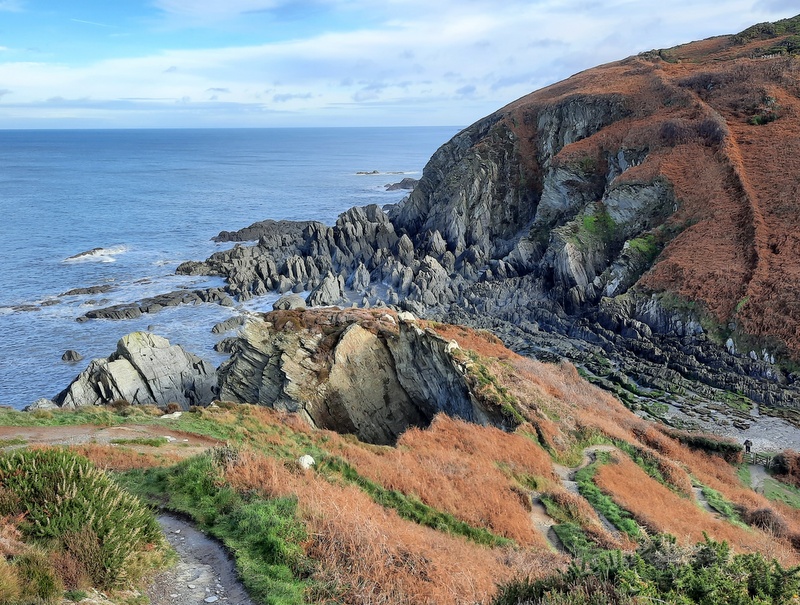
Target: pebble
<point x="174" y="596"/>
<point x="211" y="599"/>
<point x="192" y="586"/>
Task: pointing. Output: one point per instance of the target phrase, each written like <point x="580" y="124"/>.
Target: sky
<point x="291" y="63"/>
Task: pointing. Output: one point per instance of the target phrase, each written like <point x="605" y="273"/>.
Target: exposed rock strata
<point x="145" y="369"/>
<point x="360" y="372"/>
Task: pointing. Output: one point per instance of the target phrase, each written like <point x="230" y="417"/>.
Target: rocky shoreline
<point x="507" y="231"/>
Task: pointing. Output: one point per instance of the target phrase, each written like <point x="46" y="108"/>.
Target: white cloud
<point x="215" y="9"/>
<point x="11" y="6"/>
<point x="451" y="63"/>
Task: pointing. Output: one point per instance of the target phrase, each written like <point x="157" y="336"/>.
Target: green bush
<point x="68" y="502"/>
<point x="662" y="572"/>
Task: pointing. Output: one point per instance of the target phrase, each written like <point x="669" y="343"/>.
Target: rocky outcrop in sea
<point x="145" y="369"/>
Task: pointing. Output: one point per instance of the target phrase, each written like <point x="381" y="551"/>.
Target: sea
<point x="143" y="201"/>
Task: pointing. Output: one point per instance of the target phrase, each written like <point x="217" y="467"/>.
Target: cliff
<point x="371" y="374"/>
<point x="636" y="218"/>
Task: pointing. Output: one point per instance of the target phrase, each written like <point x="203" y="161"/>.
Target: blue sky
<point x="264" y="63"/>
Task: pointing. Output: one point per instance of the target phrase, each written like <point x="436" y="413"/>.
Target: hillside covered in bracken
<point x="717" y="122"/>
<point x="452" y="513"/>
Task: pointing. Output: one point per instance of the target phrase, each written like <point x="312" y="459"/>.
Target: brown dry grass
<point x="464" y="469"/>
<point x="115" y="458"/>
<point x="661" y="510"/>
<point x="10" y="536"/>
<point x="737" y="190"/>
<point x="374" y="556"/>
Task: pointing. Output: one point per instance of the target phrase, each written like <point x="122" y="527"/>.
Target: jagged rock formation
<point x="145" y="369"/>
<point x="372" y="374"/>
<point x="637" y="218"/>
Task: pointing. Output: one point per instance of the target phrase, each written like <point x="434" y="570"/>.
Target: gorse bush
<point x="67" y="502"/>
<point x="662" y="572"/>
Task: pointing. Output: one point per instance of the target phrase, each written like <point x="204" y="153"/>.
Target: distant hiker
<point x="747" y="445"/>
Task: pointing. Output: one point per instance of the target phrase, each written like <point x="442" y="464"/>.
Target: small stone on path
<point x="211" y="599"/>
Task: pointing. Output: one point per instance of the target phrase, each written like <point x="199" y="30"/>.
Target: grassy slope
<point x="444" y="515"/>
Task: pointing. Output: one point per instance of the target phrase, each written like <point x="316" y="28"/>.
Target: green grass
<point x="86" y="415"/>
<point x="574" y="540"/>
<point x="778" y="491"/>
<point x="724" y="507"/>
<point x="12" y="441"/>
<point x="617" y="516"/>
<point x="264" y="536"/>
<point x="743" y="472"/>
<point x="646" y="246"/>
<point x="147" y="441"/>
<point x="737" y="401"/>
<point x="412" y="508"/>
<point x="600" y="224"/>
<point x="573" y="456"/>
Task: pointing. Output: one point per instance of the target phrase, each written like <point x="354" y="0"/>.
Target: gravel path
<point x="204" y="573"/>
<point x="757" y="476"/>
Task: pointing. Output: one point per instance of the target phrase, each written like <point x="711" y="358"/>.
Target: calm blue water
<point x="152" y="199"/>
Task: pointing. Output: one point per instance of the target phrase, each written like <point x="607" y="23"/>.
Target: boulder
<point x="145" y="369"/>
<point x="41" y="404"/>
<point x="330" y="292"/>
<point x="289" y="302"/>
<point x="229" y="324"/>
<point x="352" y="371"/>
<point x="71" y="356"/>
<point x="407" y="183"/>
<point x="305" y="462"/>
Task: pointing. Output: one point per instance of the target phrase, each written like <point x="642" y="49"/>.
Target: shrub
<point x="9" y="584"/>
<point x="786" y="466"/>
<point x="711" y="131"/>
<point x="768" y="520"/>
<point x="711" y="444"/>
<point x="66" y="500"/>
<point x="173" y="407"/>
<point x="120" y="404"/>
<point x="675" y="132"/>
<point x="661" y="572"/>
<point x="37" y="578"/>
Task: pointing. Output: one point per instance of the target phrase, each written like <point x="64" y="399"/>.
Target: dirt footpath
<point x="204" y="573"/>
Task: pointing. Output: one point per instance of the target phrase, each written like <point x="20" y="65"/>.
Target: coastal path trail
<point x="204" y="573"/>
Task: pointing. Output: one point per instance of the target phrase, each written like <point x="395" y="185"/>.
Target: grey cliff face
<point x="374" y="383"/>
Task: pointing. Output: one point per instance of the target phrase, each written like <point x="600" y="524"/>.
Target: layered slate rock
<point x="368" y="373"/>
<point x="145" y="369"/>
